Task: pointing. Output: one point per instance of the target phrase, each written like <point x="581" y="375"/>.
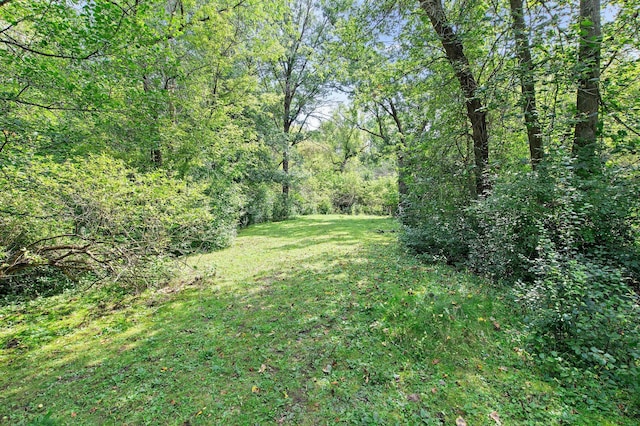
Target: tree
<point x="588" y="94"/>
<point x="527" y="83"/>
<point x="476" y="112"/>
<point x="297" y="75"/>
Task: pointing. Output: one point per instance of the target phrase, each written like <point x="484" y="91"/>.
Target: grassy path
<point x="319" y="320"/>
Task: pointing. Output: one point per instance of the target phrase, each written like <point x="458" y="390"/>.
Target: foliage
<point x="435" y="219"/>
<point x="571" y="244"/>
<point x="259" y="205"/>
<point x="582" y="313"/>
<point x="441" y="237"/>
<point x="131" y="132"/>
<point x="97" y="215"/>
<point x="348" y="193"/>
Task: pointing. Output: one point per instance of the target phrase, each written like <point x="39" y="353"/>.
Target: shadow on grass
<point x="365" y="337"/>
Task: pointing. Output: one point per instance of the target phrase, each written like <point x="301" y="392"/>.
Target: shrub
<point x="582" y="313"/>
<point x="567" y="246"/>
<point x="571" y="245"/>
<point x="97" y="215"/>
<point x="347" y="193"/>
<point x="282" y="207"/>
<point x="592" y="218"/>
<point x="258" y="204"/>
<point x="435" y="222"/>
<point x="441" y="236"/>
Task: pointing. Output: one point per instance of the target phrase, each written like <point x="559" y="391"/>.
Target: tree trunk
<point x="156" y="157"/>
<point x="156" y="153"/>
<point x="475" y="110"/>
<point x="403" y="189"/>
<point x="588" y="94"/>
<point x="527" y="83"/>
<point x="286" y="128"/>
<point x="285" y="169"/>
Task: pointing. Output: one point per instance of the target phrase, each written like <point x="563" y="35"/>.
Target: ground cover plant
<point x="317" y="320"/>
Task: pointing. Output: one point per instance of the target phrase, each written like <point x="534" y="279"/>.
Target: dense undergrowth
<point x="565" y="248"/>
<point x="99" y="218"/>
<point x="322" y="319"/>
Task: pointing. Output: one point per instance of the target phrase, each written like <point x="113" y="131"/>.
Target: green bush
<point x="259" y="204"/>
<point x="571" y="245"/>
<point x="282" y="208"/>
<point x="347" y="193"/>
<point x="443" y="236"/>
<point x="97" y="215"/>
<point x="505" y="234"/>
<point x="435" y="222"/>
<point x="566" y="245"/>
<point x="595" y="219"/>
<point x="582" y="313"/>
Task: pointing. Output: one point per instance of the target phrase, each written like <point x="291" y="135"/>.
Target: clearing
<point x="317" y="320"/>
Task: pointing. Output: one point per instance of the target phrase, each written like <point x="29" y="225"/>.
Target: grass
<point x="318" y="320"/>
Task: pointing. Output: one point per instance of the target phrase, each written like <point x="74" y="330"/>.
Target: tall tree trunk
<point x="285" y="169"/>
<point x="403" y="189"/>
<point x="475" y="110"/>
<point x="527" y="83"/>
<point x="286" y="128"/>
<point x="588" y="95"/>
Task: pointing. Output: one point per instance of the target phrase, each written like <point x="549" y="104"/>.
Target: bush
<point x="282" y="208"/>
<point x="259" y="204"/>
<point x="567" y="246"/>
<point x="571" y="245"/>
<point x="594" y="219"/>
<point x="347" y="193"/>
<point x="443" y="236"/>
<point x="435" y="222"/>
<point x="582" y="313"/>
<point x="98" y="216"/>
<point x="505" y="233"/>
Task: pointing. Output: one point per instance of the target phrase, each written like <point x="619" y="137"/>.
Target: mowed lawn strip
<point x="317" y="320"/>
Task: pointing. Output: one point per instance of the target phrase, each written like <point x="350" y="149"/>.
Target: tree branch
<point x="50" y="107"/>
<point x="6" y="139"/>
<point x="50" y="55"/>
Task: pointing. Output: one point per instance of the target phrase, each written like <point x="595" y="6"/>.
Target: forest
<point x="502" y="136"/>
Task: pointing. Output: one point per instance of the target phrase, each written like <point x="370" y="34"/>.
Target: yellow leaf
<point x="255" y="389"/>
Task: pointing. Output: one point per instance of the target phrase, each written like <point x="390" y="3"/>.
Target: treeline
<point x="515" y="133"/>
<point x="137" y="131"/>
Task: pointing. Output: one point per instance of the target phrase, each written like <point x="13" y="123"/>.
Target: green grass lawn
<point x="317" y="320"/>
